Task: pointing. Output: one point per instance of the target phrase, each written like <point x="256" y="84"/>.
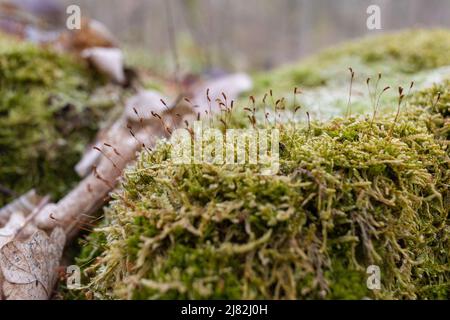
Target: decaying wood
<point x="33" y="238"/>
<point x="144" y="103"/>
<point x="108" y="61"/>
<point x="135" y="129"/>
<point x="24" y="204"/>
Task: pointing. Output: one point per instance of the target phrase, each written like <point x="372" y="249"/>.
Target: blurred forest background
<point x="244" y="35"/>
<point x="254" y="34"/>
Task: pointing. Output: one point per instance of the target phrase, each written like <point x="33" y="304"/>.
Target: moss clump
<point x="438" y="99"/>
<point x="349" y="194"/>
<point x="394" y="55"/>
<point x="47" y="117"/>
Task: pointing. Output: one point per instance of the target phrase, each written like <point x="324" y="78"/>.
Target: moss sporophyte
<point x="232" y="147"/>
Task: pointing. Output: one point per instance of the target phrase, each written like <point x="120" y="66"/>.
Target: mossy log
<point x="351" y="193"/>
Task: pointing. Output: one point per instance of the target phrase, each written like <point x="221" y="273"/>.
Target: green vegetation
<point x="351" y="192"/>
<point x="396" y="54"/>
<point x="414" y="55"/>
<point x="49" y="111"/>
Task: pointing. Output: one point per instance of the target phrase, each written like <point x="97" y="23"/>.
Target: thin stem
<point x="172" y="41"/>
<point x="348" y="113"/>
<point x="376" y="105"/>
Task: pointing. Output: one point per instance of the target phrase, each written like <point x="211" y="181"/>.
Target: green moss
<point x="437" y="98"/>
<point x="394" y="54"/>
<point x="347" y="283"/>
<point x="349" y="194"/>
<point x="414" y="55"/>
<point x="47" y="118"/>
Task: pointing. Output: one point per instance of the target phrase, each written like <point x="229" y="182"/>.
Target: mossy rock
<point x="350" y="193"/>
<point x="47" y="117"/>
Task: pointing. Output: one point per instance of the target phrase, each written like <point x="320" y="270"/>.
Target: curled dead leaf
<point x="28" y="268"/>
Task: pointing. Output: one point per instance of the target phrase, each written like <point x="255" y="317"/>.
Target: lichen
<point x="47" y="118"/>
<point x="351" y="192"/>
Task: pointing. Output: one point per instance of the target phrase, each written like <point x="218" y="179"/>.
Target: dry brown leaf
<point x="28" y="267"/>
<point x="91" y="34"/>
